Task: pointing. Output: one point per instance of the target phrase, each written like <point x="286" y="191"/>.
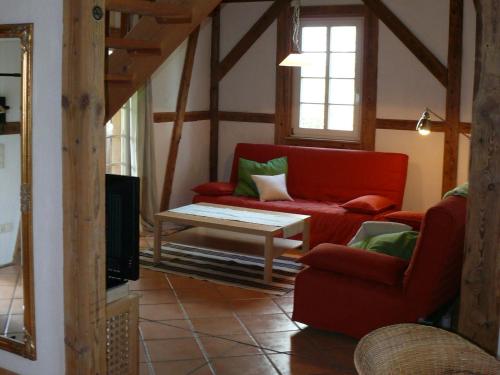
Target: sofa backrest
<point x="434" y="273"/>
<point x="334" y="175"/>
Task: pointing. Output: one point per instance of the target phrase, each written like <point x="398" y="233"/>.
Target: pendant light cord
<point x="296" y="25"/>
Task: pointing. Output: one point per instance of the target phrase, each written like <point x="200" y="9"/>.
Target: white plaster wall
<point x="193" y="159"/>
<point x="10" y="210"/>
<point x="231" y="133"/>
<point x="47" y="184"/>
<point x="405" y="88"/>
<point x="10" y="87"/>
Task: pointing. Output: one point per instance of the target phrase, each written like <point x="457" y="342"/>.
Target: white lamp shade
<point x="296" y="60"/>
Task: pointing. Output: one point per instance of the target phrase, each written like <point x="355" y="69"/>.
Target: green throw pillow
<point x="460" y="190"/>
<point x="399" y="244"/>
<point x="246" y="168"/>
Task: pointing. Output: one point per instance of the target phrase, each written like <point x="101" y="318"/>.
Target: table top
<point x="240" y="226"/>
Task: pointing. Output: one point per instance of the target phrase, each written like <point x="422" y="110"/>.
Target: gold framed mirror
<point x="17" y="310"/>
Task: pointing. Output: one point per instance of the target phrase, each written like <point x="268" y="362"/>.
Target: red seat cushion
<point x="358" y="263"/>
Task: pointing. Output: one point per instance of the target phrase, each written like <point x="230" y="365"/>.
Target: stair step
<point x="134" y="45"/>
<point x="124" y="78"/>
<point x="164" y="12"/>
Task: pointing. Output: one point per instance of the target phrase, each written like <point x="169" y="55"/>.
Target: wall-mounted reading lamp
<point x="295" y="58"/>
<point x="424" y="124"/>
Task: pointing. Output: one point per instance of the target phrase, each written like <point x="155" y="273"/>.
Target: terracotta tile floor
<point x="189" y="326"/>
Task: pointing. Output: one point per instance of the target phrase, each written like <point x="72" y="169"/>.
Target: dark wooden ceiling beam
<point x="160" y="117"/>
<point x="251" y="37"/>
<point x="263" y="118"/>
<point x="423" y="54"/>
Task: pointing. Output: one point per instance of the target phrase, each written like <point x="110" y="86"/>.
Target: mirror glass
<point x="11" y="279"/>
<point x="16" y="308"/>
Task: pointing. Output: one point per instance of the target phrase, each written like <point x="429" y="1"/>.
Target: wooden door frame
<point x="83" y="143"/>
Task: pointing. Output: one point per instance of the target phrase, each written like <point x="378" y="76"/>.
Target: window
<point x="329" y="88"/>
<point x="121" y="140"/>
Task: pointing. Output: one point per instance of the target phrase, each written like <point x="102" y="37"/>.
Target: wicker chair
<point x="412" y="349"/>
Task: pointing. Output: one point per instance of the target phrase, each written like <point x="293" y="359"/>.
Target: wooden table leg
<point x="268" y="259"/>
<point x="306" y="235"/>
<point x="157" y="241"/>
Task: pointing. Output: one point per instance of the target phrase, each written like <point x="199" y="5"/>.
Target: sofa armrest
<point x="357" y="263"/>
<point x="413" y="219"/>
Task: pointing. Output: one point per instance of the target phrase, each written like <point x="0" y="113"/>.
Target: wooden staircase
<point x="136" y="52"/>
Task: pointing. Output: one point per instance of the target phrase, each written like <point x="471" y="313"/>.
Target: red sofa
<point x="354" y="291"/>
<point x="320" y="180"/>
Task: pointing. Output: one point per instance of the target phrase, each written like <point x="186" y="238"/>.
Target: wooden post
<point x="179" y="121"/>
<point x="370" y="74"/>
<point x="214" y="95"/>
<point x="480" y="294"/>
<point x="453" y="90"/>
<point x="284" y="77"/>
<point x="83" y="187"/>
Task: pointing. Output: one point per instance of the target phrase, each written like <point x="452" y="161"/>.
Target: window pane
<point x="341" y="91"/>
<point x="317" y="66"/>
<point x="312" y="116"/>
<point x="312" y="90"/>
<point x="109" y="128"/>
<point x="343" y="39"/>
<point x="341" y="117"/>
<point x="314" y="39"/>
<point x="342" y="65"/>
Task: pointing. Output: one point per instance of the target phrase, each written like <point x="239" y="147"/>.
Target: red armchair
<point x="355" y="291"/>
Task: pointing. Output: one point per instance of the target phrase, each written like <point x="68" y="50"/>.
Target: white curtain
<point x="145" y="161"/>
<point x="137" y="151"/>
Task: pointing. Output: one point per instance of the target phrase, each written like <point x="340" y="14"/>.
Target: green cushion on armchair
<point x="399" y="244"/>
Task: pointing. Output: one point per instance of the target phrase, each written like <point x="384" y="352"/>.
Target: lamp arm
<point x="435" y="114"/>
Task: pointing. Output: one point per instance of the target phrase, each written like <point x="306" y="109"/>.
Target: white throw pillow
<point x="272" y="188"/>
<point x="374" y="228"/>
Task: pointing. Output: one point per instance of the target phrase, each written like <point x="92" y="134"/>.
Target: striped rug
<point x="245" y="271"/>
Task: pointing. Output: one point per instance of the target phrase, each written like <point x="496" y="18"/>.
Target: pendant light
<point x="295" y="58"/>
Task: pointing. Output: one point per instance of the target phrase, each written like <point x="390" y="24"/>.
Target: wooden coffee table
<point x="224" y="234"/>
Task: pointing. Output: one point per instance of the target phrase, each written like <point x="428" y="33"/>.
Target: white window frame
<point x="337" y="135"/>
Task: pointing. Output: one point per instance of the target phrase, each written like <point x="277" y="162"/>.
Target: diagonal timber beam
<point x="182" y="98"/>
<point x="251" y="37"/>
<point x="423" y="54"/>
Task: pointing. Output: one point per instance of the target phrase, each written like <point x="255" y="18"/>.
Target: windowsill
<point x="322" y="142"/>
